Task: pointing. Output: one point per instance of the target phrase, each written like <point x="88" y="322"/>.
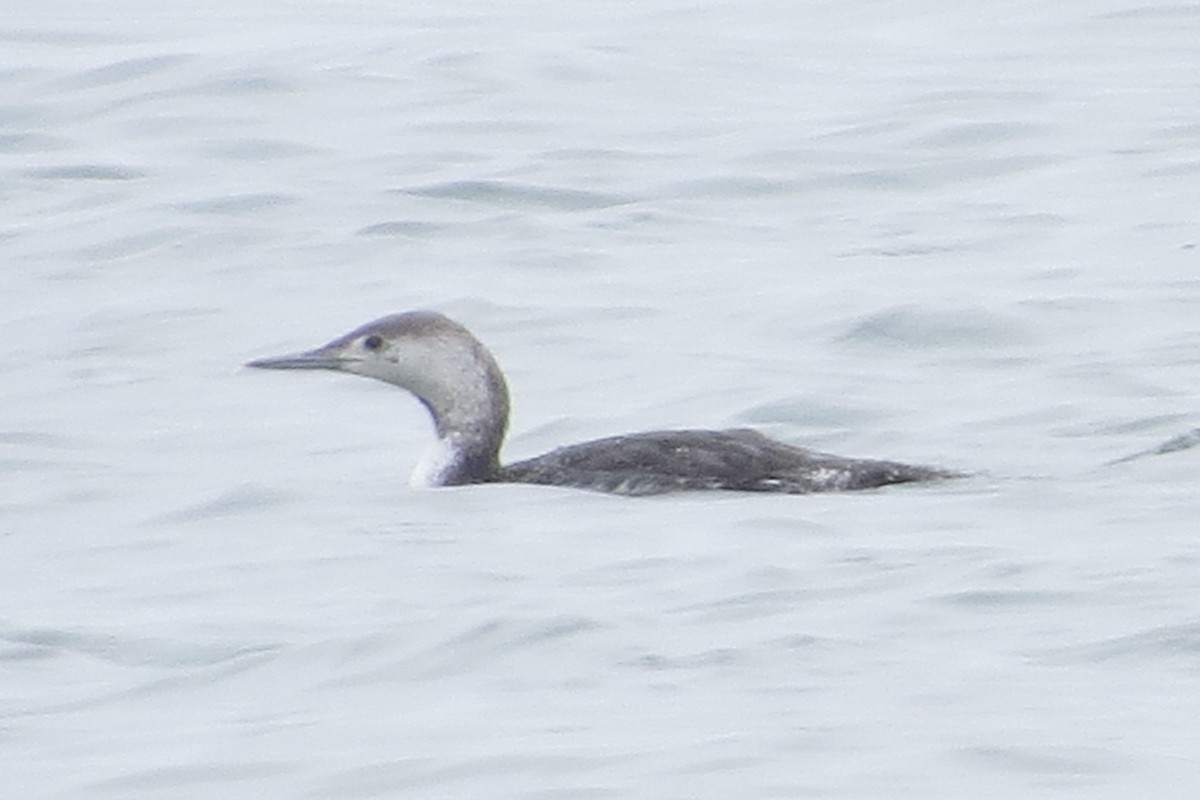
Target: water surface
<point x="946" y="234"/>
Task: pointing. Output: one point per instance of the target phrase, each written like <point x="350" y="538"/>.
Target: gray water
<point x="961" y="234"/>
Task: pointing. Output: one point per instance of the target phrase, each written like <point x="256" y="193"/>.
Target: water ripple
<point x="122" y="71"/>
<point x="913" y="325"/>
<point x="86" y="172"/>
<point x="47" y="643"/>
<point x="238" y="204"/>
<point x="1174" y="641"/>
<point x="518" y="195"/>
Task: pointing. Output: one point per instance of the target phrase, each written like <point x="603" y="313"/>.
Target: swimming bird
<point x="459" y="382"/>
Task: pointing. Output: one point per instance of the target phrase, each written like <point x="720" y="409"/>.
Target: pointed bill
<point x="321" y="358"/>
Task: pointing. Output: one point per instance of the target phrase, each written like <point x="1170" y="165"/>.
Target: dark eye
<point x="373" y="342"/>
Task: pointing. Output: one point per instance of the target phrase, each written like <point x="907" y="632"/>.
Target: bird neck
<point x="470" y="417"/>
<point x="456" y="460"/>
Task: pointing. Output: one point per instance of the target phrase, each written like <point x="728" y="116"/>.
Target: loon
<point x="461" y="385"/>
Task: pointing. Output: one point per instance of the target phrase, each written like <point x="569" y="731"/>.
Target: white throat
<point x="436" y="464"/>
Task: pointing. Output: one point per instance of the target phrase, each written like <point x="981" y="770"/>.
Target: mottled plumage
<point x="738" y="460"/>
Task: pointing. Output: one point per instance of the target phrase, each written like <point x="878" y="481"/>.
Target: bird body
<point x="459" y="382"/>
